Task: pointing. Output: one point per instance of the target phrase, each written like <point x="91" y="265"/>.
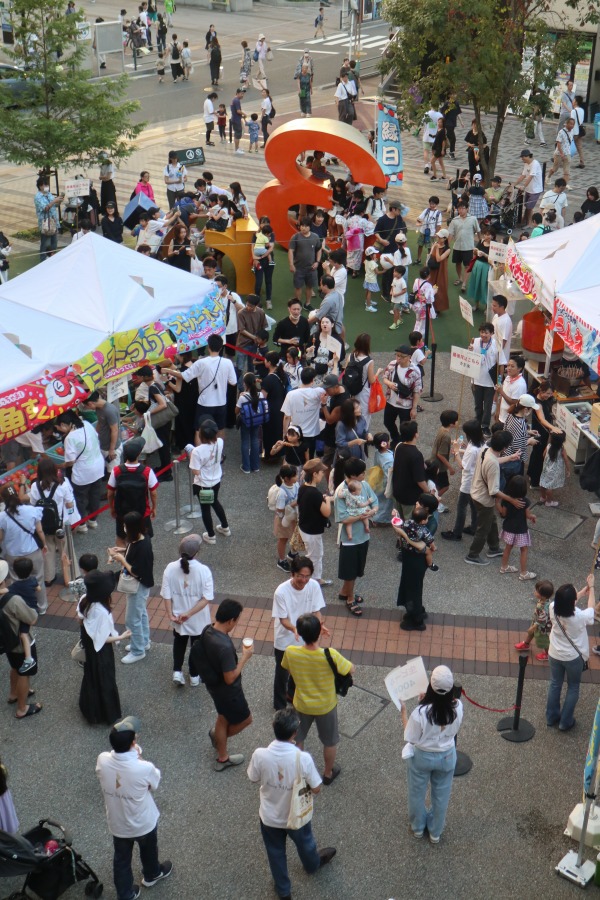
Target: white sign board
<point x="465" y="362"/>
<point x="548" y="341"/>
<point x="84" y="31"/>
<point x="76" y="187"/>
<point x="117" y="388"/>
<point x="497" y="253"/>
<point x="466" y="310"/>
<point x="407" y="681"/>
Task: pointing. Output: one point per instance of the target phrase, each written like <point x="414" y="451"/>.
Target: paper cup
<point x="248" y="642"/>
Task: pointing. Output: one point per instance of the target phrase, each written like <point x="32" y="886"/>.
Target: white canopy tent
<point x="69" y="304"/>
<point x="17" y="367"/>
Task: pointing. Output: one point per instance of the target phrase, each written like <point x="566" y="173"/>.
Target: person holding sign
<point x="431" y="729"/>
<point x="484" y="385"/>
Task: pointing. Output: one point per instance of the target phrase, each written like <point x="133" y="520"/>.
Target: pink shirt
<point x="143" y="188"/>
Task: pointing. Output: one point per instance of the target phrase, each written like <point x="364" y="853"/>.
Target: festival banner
<point x="522" y="274"/>
<point x="580" y="337"/>
<point x="591" y="759"/>
<point x="123" y="353"/>
<point x="389" y="143"/>
<point x="192" y="329"/>
<point x="39" y="401"/>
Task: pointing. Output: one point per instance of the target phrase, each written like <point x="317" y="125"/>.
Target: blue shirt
<point x="42" y="201"/>
<point x="359" y="535"/>
<point x="253" y="128"/>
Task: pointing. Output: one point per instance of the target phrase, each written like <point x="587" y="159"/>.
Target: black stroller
<point x="47" y="876"/>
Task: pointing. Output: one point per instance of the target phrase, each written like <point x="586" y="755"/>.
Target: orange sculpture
<point x="294" y="183"/>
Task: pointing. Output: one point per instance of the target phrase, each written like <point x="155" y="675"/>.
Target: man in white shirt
<point x="175" y="177"/>
<point x="430" y="121"/>
<point x="214" y="373"/>
<point x="127" y="782"/>
<point x="532" y="182"/>
<point x="562" y="152"/>
<point x="154" y="228"/>
<point x="578" y="115"/>
<point x="275" y="767"/>
<point x="232" y="304"/>
<point x="483" y="384"/>
<point x="298" y="595"/>
<point x="345" y="95"/>
<point x="503" y="330"/>
<point x="302" y="407"/>
<point x="210" y="117"/>
<point x="557" y="200"/>
<point x="335" y="267"/>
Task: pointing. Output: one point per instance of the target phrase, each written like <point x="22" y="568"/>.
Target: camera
<point x="59" y="534"/>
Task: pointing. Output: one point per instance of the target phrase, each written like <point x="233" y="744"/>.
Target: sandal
<point x="527" y="576"/>
<point x="32" y="710"/>
<point x="456" y="283"/>
<point x="509" y="570"/>
<point x="353" y="608"/>
<point x="358" y="598"/>
<point x="12" y="700"/>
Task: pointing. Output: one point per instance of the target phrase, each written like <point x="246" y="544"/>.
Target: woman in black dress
<point x="112" y="224"/>
<point x="99" y="696"/>
<point x="180" y="250"/>
<point x="472" y="140"/>
<point x="215" y="61"/>
<point x="185" y="398"/>
<point x="274" y="388"/>
<point x="542" y="422"/>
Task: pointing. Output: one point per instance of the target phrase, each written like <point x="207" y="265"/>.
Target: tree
<point x="491" y="53"/>
<point x="63" y="119"/>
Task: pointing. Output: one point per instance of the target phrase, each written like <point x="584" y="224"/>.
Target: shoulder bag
<point x="343" y="683"/>
<point x="48" y="226"/>
<point x="39" y="540"/>
<point x="78" y="652"/>
<point x="301" y="806"/>
<point x="127" y="584"/>
<point x="165" y="416"/>
<point x="584" y="661"/>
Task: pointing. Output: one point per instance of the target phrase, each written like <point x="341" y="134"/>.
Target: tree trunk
<point x="488" y="169"/>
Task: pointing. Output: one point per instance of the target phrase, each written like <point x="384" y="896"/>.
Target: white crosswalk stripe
<point x="331" y="37"/>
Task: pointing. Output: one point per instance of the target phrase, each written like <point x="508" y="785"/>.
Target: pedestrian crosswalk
<point x="377" y="40"/>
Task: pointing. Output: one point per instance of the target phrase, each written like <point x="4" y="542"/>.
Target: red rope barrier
<point x="246" y="352"/>
<point x="489" y="708"/>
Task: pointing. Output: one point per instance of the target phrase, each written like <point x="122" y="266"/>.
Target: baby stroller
<point x="50" y="870"/>
<point x="506" y="215"/>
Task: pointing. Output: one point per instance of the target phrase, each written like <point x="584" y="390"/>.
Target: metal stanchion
<point x="175" y="525"/>
<point x="432" y="396"/>
<point x="74" y="573"/>
<point x="516" y="729"/>
<point x="192" y="511"/>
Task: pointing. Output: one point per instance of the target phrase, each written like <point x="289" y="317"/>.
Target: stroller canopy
<point x="17" y="856"/>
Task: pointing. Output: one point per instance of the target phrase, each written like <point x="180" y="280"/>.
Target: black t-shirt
<point x="296" y="456"/>
<point x="140" y="556"/>
<point x="328" y="433"/>
<point x="591" y="207"/>
<point x="310" y="518"/>
<point x="451" y="111"/>
<point x="287" y="330"/>
<point x="409" y="469"/>
<point x="275" y="391"/>
<point x="215" y="652"/>
<point x="515" y="520"/>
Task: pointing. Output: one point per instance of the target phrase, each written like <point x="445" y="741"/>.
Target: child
<point x="423" y="296"/>
<point x="384" y="458"/>
<point x="253" y="130"/>
<point x="415" y="533"/>
<point x="293" y="367"/>
<point x="440" y="452"/>
<point x="186" y="61"/>
<point x="222" y="122"/>
<point x="420" y="354"/>
<point x="515" y="532"/>
<point x="286" y="514"/>
<point x="160" y="67"/>
<point x="429" y="222"/>
<point x="8" y="815"/>
<point x="399" y="296"/>
<point x="541" y="626"/>
<point x="556" y="467"/>
<point x="25" y="586"/>
<point x="370" y="283"/>
<point x="351" y="492"/>
<point x="294" y="448"/>
<point x="432" y="472"/>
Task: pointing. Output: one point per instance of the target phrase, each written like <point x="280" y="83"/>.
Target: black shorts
<point x="120" y="528"/>
<point x="17" y="658"/>
<point x="232" y="705"/>
<point x="462" y="256"/>
<point x="217" y="413"/>
<point x="352" y="561"/>
<point x="442" y="480"/>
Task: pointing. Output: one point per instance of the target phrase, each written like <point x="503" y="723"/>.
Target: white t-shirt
<point x="576" y="627"/>
<point x="469" y="461"/>
<point x="536" y="185"/>
<point x="288" y="603"/>
<point x="430" y="126"/>
<point x="127" y="783"/>
<point x="578" y="115"/>
<point x="17" y="542"/>
<point x="206" y="458"/>
<point x="488" y="361"/>
<point x="232" y="324"/>
<point x="399" y="295"/>
<point x="405" y="260"/>
<point x="428" y="737"/>
<point x="503" y="330"/>
<point x="275" y="767"/>
<point x="417" y="357"/>
<point x="61" y="496"/>
<point x="429" y="218"/>
<point x="554" y="200"/>
<point x="340" y="277"/>
<point x="303" y="407"/>
<point x="209" y="111"/>
<point x="346" y="91"/>
<point x="152" y="234"/>
<point x="184" y="591"/>
<point x="513" y="389"/>
<point x="83" y="446"/>
<point x="214" y="373"/>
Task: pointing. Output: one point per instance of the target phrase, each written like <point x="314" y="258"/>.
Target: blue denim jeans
<point x="250" y="448"/>
<point x="275" y="839"/>
<point x="384" y="513"/>
<point x="48" y="245"/>
<point x="244" y="363"/>
<point x="122" y="872"/>
<point x="573" y="669"/>
<point x="136" y="620"/>
<point x="464" y="503"/>
<point x="436" y="769"/>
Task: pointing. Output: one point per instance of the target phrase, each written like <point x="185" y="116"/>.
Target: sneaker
<point x="326" y="855"/>
<point x="416" y="834"/>
<point x="83" y="529"/>
<point x="450" y="536"/>
<point x="92" y="523"/>
<point x="132" y="658"/>
<point x="128" y="646"/>
<point x="26" y="666"/>
<point x="245" y="471"/>
<point x="370" y="309"/>
<point x="226" y="532"/>
<point x="236" y="759"/>
<point x="596" y="649"/>
<point x="178" y="678"/>
<point x="239" y="152"/>
<point x="541" y="656"/>
<point x="434" y="568"/>
<point x="491" y="554"/>
<point x="165" y="870"/>
<point x="208" y="539"/>
<point x="284" y="565"/>
<point x="194" y="680"/>
<point x="522" y="645"/>
<point x="442" y="508"/>
<point x="432" y="840"/>
<point x="307" y="307"/>
<point x="476" y="561"/>
<point x="136" y="891"/>
<point x="394" y="326"/>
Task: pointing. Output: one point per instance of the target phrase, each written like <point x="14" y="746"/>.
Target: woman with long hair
<point x="466" y="458"/>
<point x="274" y="387"/>
<point x="187" y="589"/>
<point x="250" y="433"/>
<point x="239" y="199"/>
<point x="473" y="152"/>
<point x="325" y="352"/>
<point x="351" y="429"/>
<point x="206" y="466"/>
<point x="438" y="265"/>
<point x="181" y="251"/>
<point x="215" y="61"/>
<point x="99" y="696"/>
<point x="265" y="110"/>
<point x="48" y="486"/>
<point x="543" y="423"/>
<point x="21" y="535"/>
<point x="245" y="67"/>
<point x="85" y="463"/>
<point x="477" y="288"/>
<point x="314" y="510"/>
<point x="138" y="561"/>
<point x="431" y="753"/>
<point x="361" y="356"/>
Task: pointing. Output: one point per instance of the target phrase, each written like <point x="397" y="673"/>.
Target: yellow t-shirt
<point x="315" y="686"/>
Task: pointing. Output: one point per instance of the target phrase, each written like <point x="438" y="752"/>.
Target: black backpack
<point x="353" y="379"/>
<point x="131" y="490"/>
<point x="589" y="477"/>
<point x="210" y="677"/>
<point x="273" y="112"/>
<point x="8" y="639"/>
<point x="51" y="521"/>
<point x="174" y="51"/>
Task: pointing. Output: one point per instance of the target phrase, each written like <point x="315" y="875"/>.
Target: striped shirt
<point x="315" y="686"/>
<point x="520" y="434"/>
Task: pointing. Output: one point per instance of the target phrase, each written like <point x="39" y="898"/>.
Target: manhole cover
<point x="358" y="709"/>
<point x="555" y="522"/>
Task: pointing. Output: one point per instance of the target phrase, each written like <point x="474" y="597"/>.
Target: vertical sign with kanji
<point x="389" y="144"/>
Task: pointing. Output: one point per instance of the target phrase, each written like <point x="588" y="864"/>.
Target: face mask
<point x="46" y="189"/>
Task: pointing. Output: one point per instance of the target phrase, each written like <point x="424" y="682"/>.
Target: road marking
<point x="339" y="40"/>
<point x="295" y="50"/>
<point x="374" y="42"/>
<point x="278" y="41"/>
<point x="331" y="37"/>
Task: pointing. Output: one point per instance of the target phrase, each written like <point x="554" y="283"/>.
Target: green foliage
<point x="64" y="119"/>
<point x="491" y="53"/>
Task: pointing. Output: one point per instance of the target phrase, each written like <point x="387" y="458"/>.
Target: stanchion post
<point x="432" y="397"/>
<point x="516" y="729"/>
<point x="191" y="511"/>
<point x="66" y="593"/>
<point x="176" y="525"/>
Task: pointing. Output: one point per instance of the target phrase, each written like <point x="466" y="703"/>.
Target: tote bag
<point x="301" y="807"/>
<point x="152" y="441"/>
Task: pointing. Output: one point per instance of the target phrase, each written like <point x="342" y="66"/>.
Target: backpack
<point x="51" y="521"/>
<point x="353" y="379"/>
<point x="174" y="51"/>
<point x="131" y="490"/>
<point x="251" y="417"/>
<point x="546" y="229"/>
<point x="316" y="21"/>
<point x="209" y="675"/>
<point x="8" y="639"/>
<point x="273" y="113"/>
<point x="272" y="497"/>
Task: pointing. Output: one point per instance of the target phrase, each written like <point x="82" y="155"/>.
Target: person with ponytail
<point x="250" y="433"/>
<point x="187" y="589"/>
<point x="274" y="387"/>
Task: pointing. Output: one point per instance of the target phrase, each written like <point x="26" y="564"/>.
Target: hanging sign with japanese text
<point x="389" y="143"/>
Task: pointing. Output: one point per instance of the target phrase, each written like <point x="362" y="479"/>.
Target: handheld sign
<point x="498" y="253"/>
<point x="465" y="362"/>
<point x="466" y="310"/>
<point x="548" y="342"/>
<point x="407" y="681"/>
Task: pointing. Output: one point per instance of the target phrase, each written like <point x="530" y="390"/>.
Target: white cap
<point x="442" y="680"/>
<point x="261" y="37"/>
<point x="528" y="401"/>
<point x="370" y="251"/>
<point x="401" y="237"/>
<point x="443" y="233"/>
<point x="477" y="178"/>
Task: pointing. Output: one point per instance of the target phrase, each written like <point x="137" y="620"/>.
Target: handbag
<point x="127" y="584"/>
<point x="290" y="515"/>
<point x="579" y="654"/>
<point x="152" y="441"/>
<point x="255" y="56"/>
<point x="165" y="416"/>
<point x="39" y="540"/>
<point x="296" y="542"/>
<point x="78" y="652"/>
<point x="343" y="683"/>
<point x="301" y="806"/>
<point x="48" y="226"/>
<point x="376" y="398"/>
<point x="206" y="496"/>
<point x="269" y="54"/>
<point x="582" y="131"/>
